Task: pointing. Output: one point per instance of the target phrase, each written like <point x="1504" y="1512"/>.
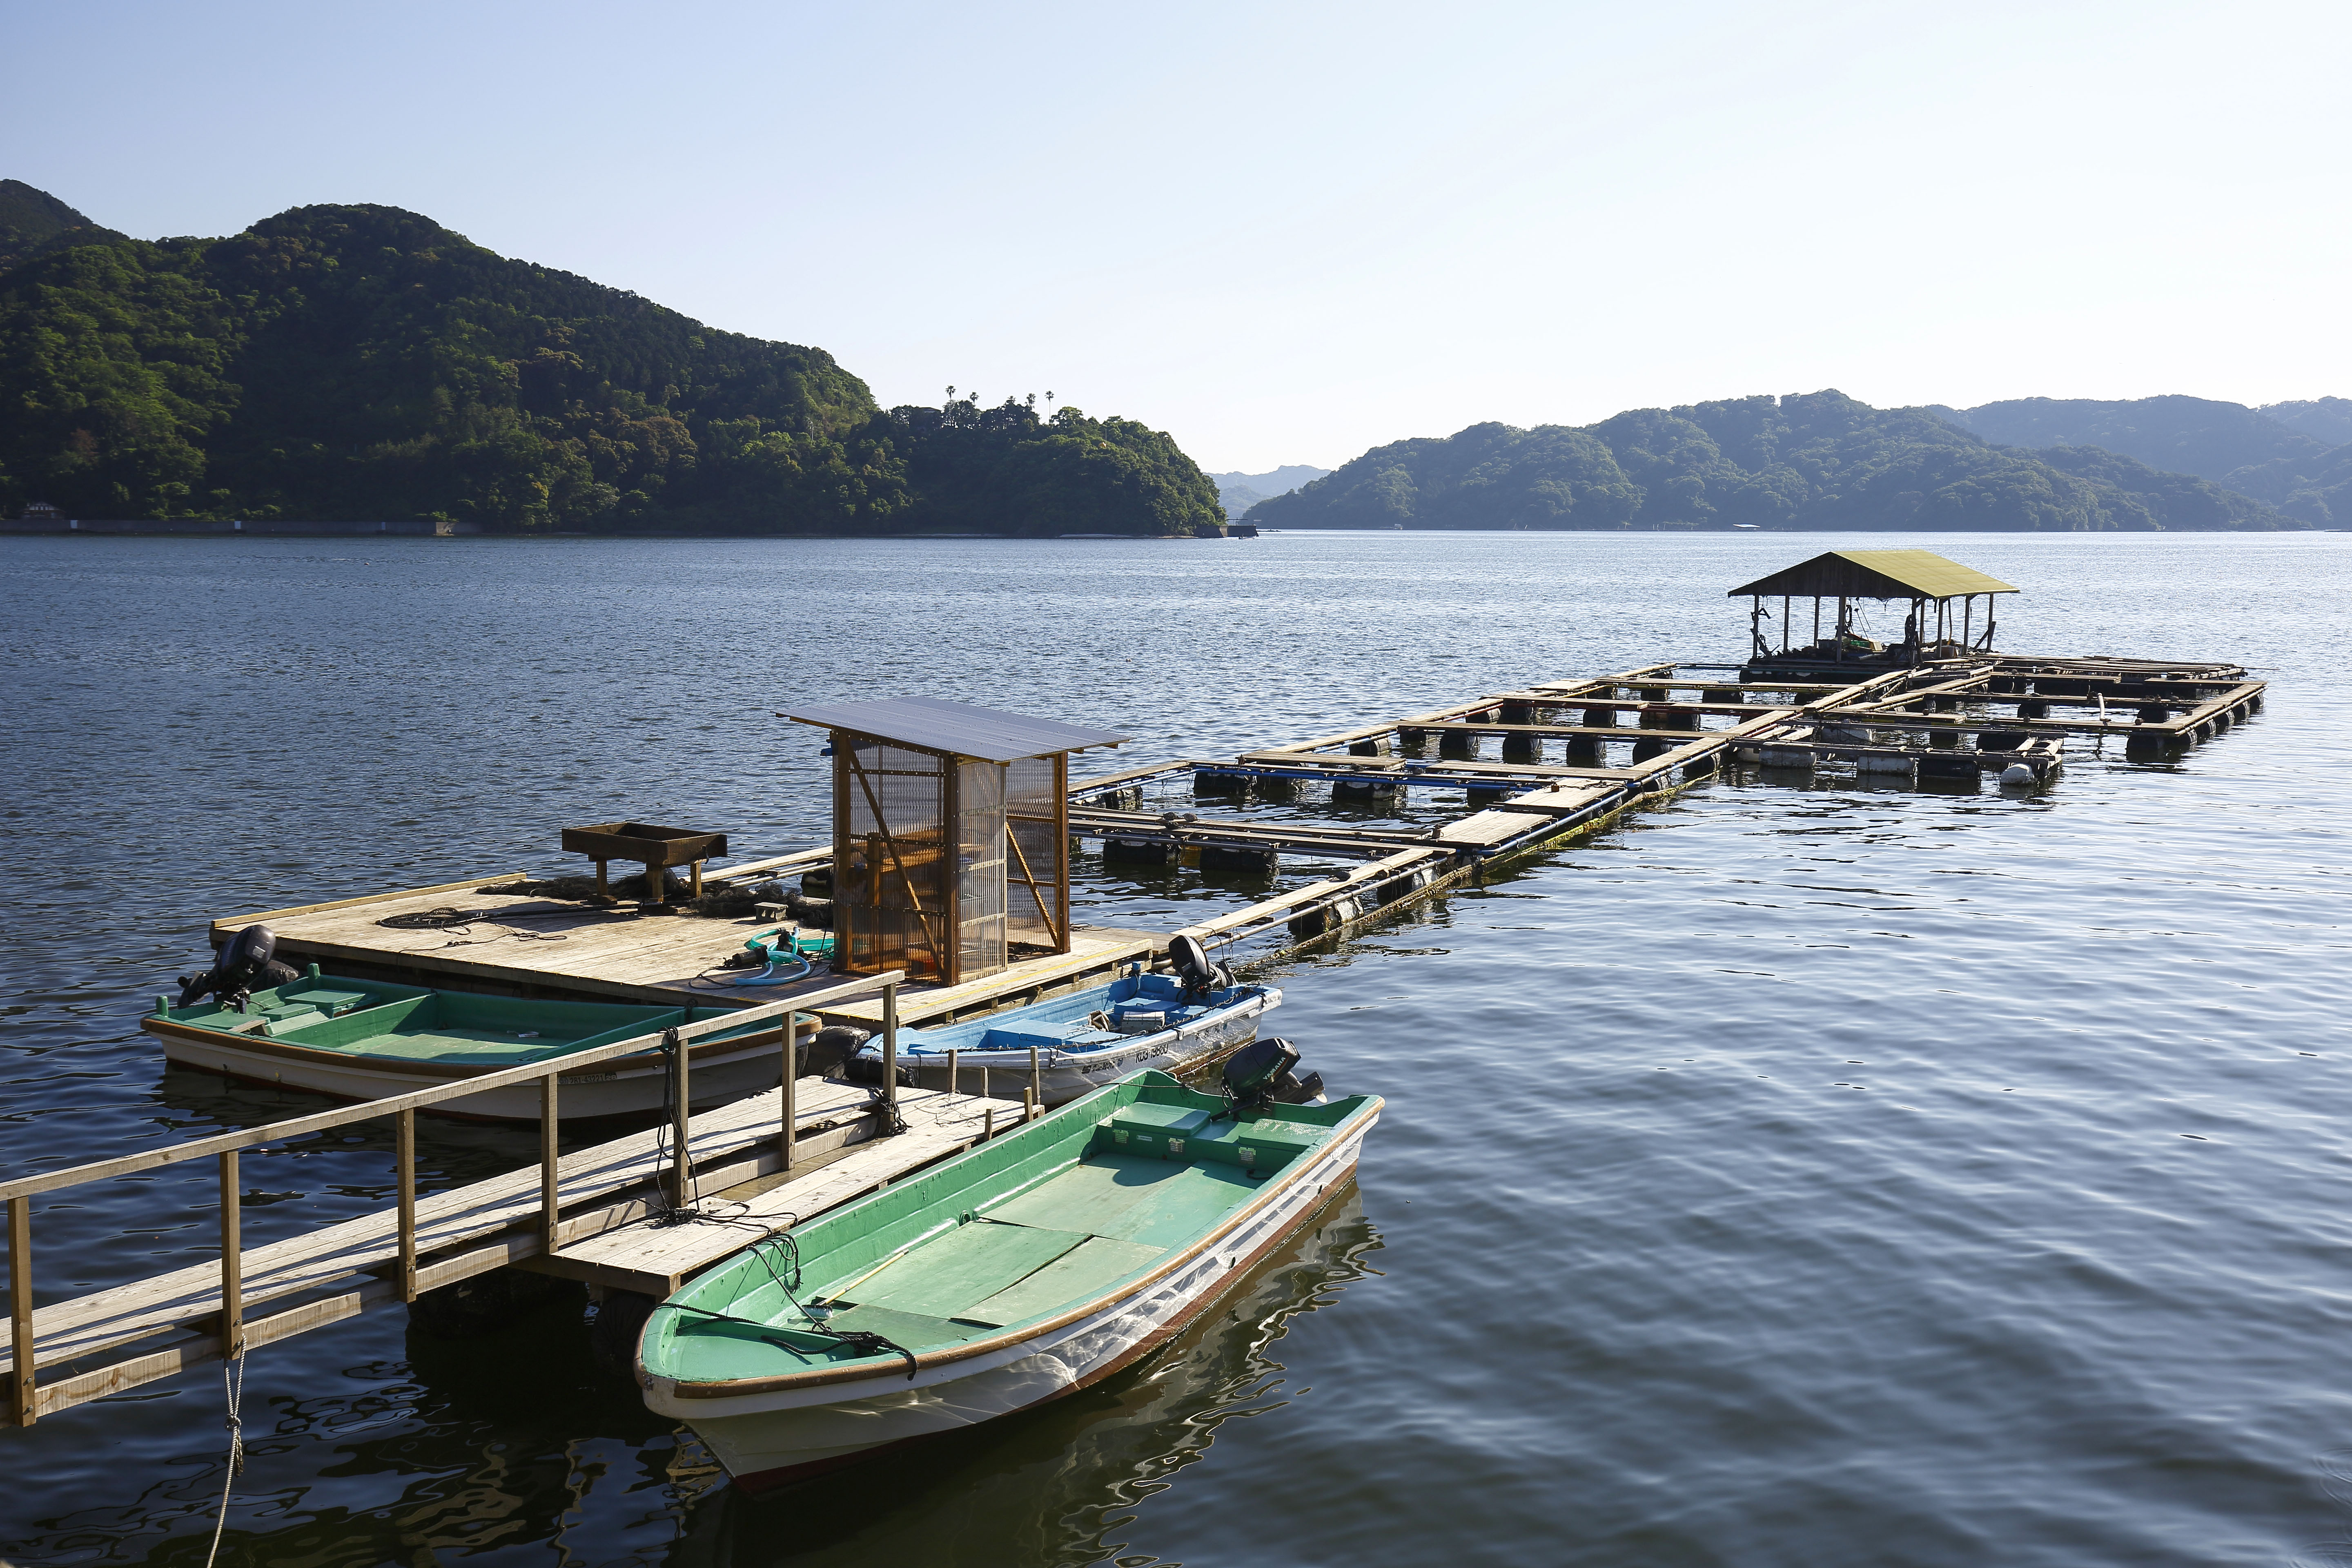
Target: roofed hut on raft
<point x="1944" y="619"/>
<point x="951" y="835"/>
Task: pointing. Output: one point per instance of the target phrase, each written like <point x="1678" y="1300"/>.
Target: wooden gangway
<point x="631" y="1213"/>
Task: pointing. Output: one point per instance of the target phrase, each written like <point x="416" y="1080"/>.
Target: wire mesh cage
<point x="944" y="863"/>
<point x="951" y="835"/>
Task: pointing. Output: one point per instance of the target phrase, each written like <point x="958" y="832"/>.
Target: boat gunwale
<point x="1269" y="995"/>
<point x="699" y="1052"/>
<point x="870" y="1367"/>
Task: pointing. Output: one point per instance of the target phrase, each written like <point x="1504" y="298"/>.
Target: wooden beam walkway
<point x="624" y="1214"/>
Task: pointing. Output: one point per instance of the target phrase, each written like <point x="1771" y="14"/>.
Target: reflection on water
<point x="473" y="1447"/>
<point x="1058" y="1484"/>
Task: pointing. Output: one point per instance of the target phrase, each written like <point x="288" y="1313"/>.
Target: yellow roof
<point x="1876" y="574"/>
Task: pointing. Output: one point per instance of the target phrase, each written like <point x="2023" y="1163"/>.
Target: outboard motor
<point x="1193" y="970"/>
<point x="246" y="964"/>
<point x="1259" y="1074"/>
<point x="829" y="1047"/>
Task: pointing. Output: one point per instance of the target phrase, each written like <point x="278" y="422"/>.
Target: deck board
<point x="106" y="1319"/>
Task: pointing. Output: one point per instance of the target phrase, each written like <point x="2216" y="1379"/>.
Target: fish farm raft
<point x="944" y="896"/>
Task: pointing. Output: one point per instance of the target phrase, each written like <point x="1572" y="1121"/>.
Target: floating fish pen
<point x="1943" y="622"/>
<point x="945" y="896"/>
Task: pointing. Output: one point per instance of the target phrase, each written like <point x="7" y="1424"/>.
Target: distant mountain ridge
<point x="337" y="364"/>
<point x="2288" y="455"/>
<point x="2328" y="419"/>
<point x="1239" y="491"/>
<point x="1818" y="460"/>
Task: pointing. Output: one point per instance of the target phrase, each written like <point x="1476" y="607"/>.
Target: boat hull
<point x="1066" y="1074"/>
<point x="765" y="1439"/>
<point x="627" y="1089"/>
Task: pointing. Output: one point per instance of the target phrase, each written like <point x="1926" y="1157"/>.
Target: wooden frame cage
<point x="951" y="835"/>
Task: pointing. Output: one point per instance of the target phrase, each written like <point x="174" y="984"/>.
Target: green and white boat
<point x="365" y="1039"/>
<point x="1027" y="1268"/>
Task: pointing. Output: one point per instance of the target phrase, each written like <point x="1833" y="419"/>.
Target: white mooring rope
<point x="234" y="1389"/>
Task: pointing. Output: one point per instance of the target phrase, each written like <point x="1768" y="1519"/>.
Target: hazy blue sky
<point x="1288" y="233"/>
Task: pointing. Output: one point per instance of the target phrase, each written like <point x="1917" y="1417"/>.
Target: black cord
<point x="864" y="1342"/>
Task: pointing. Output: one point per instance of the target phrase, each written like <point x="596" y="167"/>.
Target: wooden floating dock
<point x="632" y="1214"/>
<point x="615" y="1216"/>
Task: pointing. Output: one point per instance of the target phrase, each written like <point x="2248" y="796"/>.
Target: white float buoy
<point x="2017" y="774"/>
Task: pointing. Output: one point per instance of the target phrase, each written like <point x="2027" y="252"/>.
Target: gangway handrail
<point x="19" y="1193"/>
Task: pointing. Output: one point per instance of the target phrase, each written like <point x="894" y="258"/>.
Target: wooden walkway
<point x="524" y="945"/>
<point x="616" y="1230"/>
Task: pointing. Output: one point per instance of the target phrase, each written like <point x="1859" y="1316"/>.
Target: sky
<point x="1286" y="234"/>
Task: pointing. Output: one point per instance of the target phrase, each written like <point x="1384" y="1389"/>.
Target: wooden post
<point x="788" y="1121"/>
<point x="890" y="1044"/>
<point x="603" y="883"/>
<point x="550" y="1196"/>
<point x="1784" y="623"/>
<point x="697" y="878"/>
<point x="988" y="1127"/>
<point x="1036" y="1077"/>
<point x="23" y="1404"/>
<point x="681" y="1120"/>
<point x="1028" y="1104"/>
<point x="1062" y="854"/>
<point x="953" y="1053"/>
<point x="232" y="1323"/>
<point x="404" y="1144"/>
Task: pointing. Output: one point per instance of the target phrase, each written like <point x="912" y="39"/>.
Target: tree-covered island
<point x="341" y="363"/>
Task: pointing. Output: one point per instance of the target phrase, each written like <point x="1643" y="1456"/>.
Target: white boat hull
<point x="1067" y="1075"/>
<point x="763" y="1439"/>
<point x="631" y="1091"/>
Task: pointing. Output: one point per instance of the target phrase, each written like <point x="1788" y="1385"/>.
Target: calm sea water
<point x="1784" y="1175"/>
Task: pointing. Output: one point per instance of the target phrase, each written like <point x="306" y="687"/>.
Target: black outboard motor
<point x="1193" y="970"/>
<point x="1259" y="1074"/>
<point x="245" y="965"/>
<point x="831" y="1047"/>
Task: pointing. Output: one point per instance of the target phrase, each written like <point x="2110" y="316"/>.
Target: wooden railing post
<point x="551" y="1200"/>
<point x="681" y="1123"/>
<point x="890" y="1044"/>
<point x="788" y="1122"/>
<point x="404" y="1150"/>
<point x="232" y="1329"/>
<point x="23" y="1405"/>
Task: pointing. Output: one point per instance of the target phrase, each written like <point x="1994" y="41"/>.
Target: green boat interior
<point x="410" y="1023"/>
<point x="1017" y="1231"/>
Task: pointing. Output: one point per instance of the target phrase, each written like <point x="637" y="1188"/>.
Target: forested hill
<point x="362" y="363"/>
<point x="34" y="222"/>
<point x="1821" y="460"/>
<point x="2289" y="456"/>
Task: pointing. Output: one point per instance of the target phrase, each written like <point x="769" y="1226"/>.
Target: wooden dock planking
<point x="731" y="1145"/>
<point x="655" y="1257"/>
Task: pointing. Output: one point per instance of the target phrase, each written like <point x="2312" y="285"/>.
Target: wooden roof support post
<point x="1062" y="846"/>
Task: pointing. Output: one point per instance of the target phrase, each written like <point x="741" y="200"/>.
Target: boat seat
<point x="333" y="1004"/>
<point x="1176" y="1132"/>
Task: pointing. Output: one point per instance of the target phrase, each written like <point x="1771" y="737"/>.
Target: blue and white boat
<point x="1084" y="1040"/>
